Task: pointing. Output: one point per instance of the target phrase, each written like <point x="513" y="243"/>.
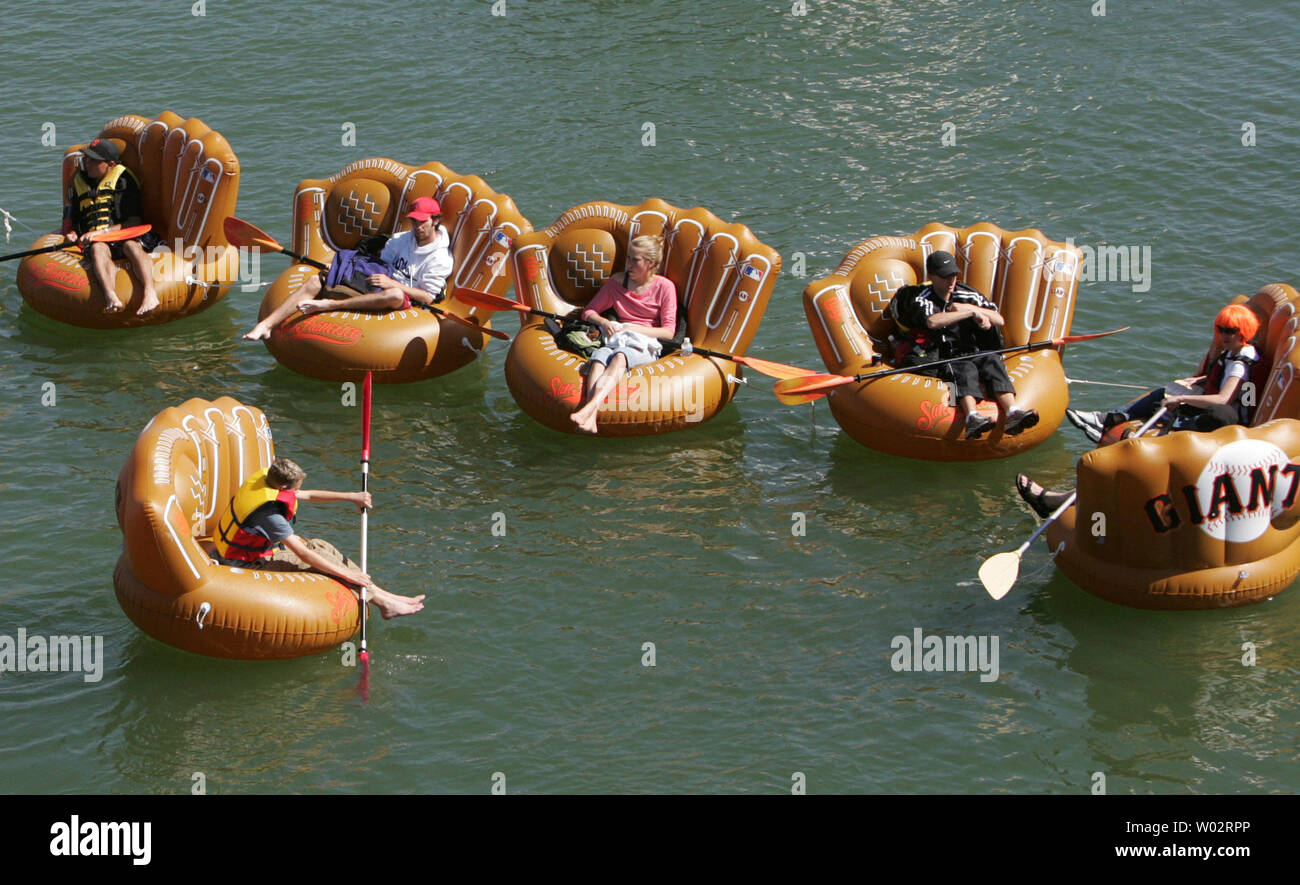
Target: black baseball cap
<point x="102" y="149"/>
<point x="941" y="264"/>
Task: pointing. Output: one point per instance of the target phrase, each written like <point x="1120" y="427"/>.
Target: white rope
<point x="1046" y="566"/>
<point x="1107" y="384"/>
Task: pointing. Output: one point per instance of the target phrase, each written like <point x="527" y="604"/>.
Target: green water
<point x="772" y="650"/>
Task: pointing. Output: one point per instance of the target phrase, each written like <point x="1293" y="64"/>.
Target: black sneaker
<point x="977" y="425"/>
<point x="1020" y="420"/>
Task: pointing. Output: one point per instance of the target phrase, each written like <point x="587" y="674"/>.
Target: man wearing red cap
<point x="419" y="261"/>
<point x="104" y="195"/>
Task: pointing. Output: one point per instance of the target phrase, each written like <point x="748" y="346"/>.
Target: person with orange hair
<point x="1219" y="402"/>
<point x="1212" y="400"/>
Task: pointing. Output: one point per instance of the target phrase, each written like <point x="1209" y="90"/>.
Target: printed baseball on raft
<point x="1237" y="460"/>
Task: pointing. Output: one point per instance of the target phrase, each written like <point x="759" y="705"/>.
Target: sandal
<point x="1035" y="499"/>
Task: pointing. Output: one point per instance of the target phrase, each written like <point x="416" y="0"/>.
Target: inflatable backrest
<point x="724" y="275"/>
<point x="1033" y="280"/>
<point x="1206" y="499"/>
<point x="373" y="196"/>
<point x="189" y="176"/>
<point x="180" y="476"/>
<point x="1280" y="397"/>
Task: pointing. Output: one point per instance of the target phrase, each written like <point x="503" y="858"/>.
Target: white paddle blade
<point x="999" y="573"/>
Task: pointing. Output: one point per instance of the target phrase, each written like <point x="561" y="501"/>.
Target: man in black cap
<point x="953" y="319"/>
<point x="104" y="195"/>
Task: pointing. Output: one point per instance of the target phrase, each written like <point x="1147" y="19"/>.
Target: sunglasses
<point x="1227" y="330"/>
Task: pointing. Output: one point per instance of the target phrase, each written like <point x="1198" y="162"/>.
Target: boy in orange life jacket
<point x="104" y="195"/>
<point x="257" y="532"/>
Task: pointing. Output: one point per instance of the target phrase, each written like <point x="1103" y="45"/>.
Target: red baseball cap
<point x="424" y="208"/>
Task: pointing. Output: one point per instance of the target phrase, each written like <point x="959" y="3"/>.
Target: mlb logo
<point x="208" y="175"/>
<point x="752" y="272"/>
<point x="501" y="238"/>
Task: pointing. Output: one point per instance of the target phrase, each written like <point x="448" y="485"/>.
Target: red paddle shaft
<point x="365" y="487"/>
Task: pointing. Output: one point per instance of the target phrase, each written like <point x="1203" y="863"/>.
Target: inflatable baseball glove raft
<point x="723" y="275"/>
<point x="1197" y="520"/>
<point x="1033" y="281"/>
<point x="181" y="475"/>
<point x="373" y="196"/>
<point x="189" y="181"/>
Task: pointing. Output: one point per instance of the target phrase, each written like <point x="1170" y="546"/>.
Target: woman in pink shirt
<point x="646" y="305"/>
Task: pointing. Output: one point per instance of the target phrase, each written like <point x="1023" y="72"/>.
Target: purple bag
<point x="352" y="269"/>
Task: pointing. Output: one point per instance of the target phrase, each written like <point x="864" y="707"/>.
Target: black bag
<point x="903" y="311"/>
<point x="574" y="334"/>
<point x="372" y="246"/>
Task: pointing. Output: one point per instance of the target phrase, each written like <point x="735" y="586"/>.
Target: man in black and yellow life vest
<point x="104" y="195"/>
<point x="256" y="531"/>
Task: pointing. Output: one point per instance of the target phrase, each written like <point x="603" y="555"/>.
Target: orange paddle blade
<point x="488" y="301"/>
<point x="117" y="236"/>
<point x="795" y="399"/>
<point x="773" y="370"/>
<point x="241" y="233"/>
<point x="810" y="384"/>
<point x="1068" y="339"/>
<point x="473" y="323"/>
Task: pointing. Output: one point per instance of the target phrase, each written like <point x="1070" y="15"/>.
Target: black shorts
<point x="967" y="375"/>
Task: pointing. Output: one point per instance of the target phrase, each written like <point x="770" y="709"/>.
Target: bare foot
<point x="114" y="306"/>
<point x="259" y="332"/>
<point x="585" y="423"/>
<point x="150" y="303"/>
<point x="312" y="305"/>
<point x="391" y="605"/>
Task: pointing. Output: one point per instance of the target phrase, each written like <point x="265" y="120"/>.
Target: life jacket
<point x="1214" y="380"/>
<point x="911" y="334"/>
<point x="233" y="541"/>
<point x="92" y="207"/>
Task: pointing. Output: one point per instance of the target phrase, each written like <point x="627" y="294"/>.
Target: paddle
<point x="243" y="234"/>
<point x="795" y="399"/>
<point x="99" y="236"/>
<point x="489" y="301"/>
<point x="364" y="686"/>
<point x="999" y="572"/>
<point x="814" y="383"/>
